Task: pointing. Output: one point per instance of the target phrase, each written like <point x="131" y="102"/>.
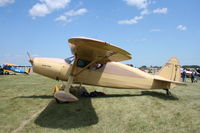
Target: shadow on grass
<point x="143" y="93"/>
<point x="68" y="115"/>
<point x="79" y="114"/>
<point x="118" y="95"/>
<point x="37" y="96"/>
<point x="159" y="95"/>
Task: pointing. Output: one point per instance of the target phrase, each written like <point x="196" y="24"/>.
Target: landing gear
<point x="63" y="96"/>
<point x="168" y="92"/>
<point x="59" y="102"/>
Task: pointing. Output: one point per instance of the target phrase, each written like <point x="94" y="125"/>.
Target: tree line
<point x="190" y="66"/>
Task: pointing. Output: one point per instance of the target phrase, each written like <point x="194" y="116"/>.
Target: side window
<point x="7" y="67"/>
<point x="69" y="60"/>
<point x="82" y="63"/>
<point x="97" y="66"/>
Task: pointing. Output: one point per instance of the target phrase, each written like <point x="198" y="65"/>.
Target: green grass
<point x="21" y="96"/>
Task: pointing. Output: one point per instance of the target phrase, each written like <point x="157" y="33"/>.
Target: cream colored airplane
<point x="97" y="63"/>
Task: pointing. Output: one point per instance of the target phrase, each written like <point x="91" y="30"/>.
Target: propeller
<point x="30" y="58"/>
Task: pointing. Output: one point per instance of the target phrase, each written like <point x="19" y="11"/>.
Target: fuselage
<point x="112" y="74"/>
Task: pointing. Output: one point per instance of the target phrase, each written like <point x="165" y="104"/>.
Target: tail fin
<point x="171" y="70"/>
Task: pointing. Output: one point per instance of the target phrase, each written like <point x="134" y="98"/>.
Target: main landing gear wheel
<point x="63" y="96"/>
<point x="168" y="92"/>
<point x="59" y="102"/>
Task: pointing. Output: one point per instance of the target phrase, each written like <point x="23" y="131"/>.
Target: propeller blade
<point x="29" y="55"/>
<point x="30" y="58"/>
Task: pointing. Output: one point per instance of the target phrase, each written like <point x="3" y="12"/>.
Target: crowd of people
<point x="194" y="76"/>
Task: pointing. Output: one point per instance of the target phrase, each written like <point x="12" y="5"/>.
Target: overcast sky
<point x="152" y="30"/>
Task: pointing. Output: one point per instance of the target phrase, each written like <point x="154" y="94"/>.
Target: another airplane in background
<point x="13" y="69"/>
<point x="97" y="63"/>
<point x="189" y="71"/>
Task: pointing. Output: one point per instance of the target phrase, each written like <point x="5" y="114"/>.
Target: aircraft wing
<point x="91" y="49"/>
<point x="8" y="64"/>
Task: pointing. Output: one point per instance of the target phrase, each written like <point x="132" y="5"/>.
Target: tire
<point x="59" y="102"/>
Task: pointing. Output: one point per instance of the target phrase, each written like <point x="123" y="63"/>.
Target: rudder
<point x="171" y="70"/>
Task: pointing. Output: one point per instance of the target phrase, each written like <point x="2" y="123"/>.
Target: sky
<point x="151" y="30"/>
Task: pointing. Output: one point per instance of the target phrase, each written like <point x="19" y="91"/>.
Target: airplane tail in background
<point x="171" y="70"/>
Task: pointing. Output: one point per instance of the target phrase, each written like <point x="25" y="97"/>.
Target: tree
<point x="143" y="67"/>
<point x="190" y="66"/>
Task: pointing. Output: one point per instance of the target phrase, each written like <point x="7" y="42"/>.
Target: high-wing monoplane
<point x="97" y="63"/>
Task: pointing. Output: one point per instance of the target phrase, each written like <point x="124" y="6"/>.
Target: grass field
<point x="27" y="106"/>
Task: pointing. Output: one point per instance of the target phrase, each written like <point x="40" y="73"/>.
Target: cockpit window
<point x="69" y="60"/>
<point x="82" y="63"/>
<point x="97" y="66"/>
<point x="7" y="67"/>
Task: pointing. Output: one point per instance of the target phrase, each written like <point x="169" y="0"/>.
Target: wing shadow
<point x="81" y="113"/>
<point x="68" y="115"/>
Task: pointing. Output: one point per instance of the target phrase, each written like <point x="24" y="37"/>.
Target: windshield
<point x="69" y="60"/>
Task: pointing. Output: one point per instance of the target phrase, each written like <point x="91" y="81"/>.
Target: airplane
<point x="97" y="63"/>
<point x="13" y="69"/>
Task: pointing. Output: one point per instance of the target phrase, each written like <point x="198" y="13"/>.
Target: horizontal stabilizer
<point x="170" y="81"/>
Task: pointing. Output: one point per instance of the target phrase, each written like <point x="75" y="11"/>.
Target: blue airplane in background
<point x="13" y="69"/>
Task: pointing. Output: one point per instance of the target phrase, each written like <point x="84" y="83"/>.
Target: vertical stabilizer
<point x="171" y="70"/>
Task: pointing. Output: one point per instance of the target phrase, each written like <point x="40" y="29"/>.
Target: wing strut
<point x="66" y="96"/>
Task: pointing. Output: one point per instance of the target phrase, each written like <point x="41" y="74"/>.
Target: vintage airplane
<point x="13" y="69"/>
<point x="97" y="63"/>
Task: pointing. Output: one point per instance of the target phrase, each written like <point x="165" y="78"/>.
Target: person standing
<point x="184" y="75"/>
<point x="192" y="76"/>
<point x="1" y="70"/>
